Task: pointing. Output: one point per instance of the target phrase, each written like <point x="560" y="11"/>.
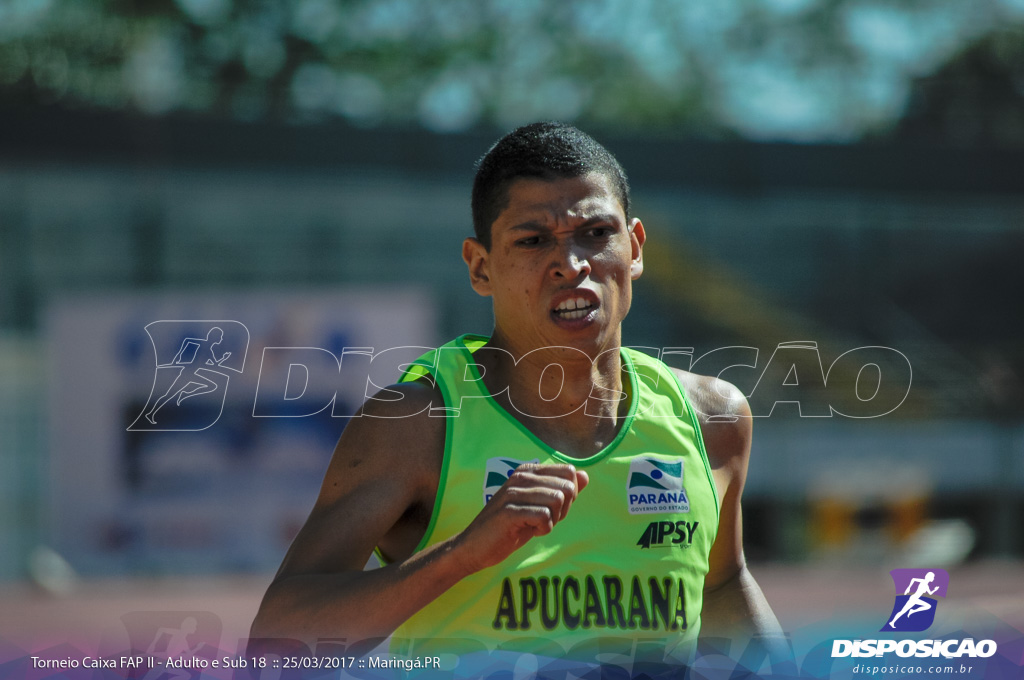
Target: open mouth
<point x="574" y="308"/>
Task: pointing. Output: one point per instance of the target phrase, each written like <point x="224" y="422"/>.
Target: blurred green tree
<point x="803" y="70"/>
<point x="974" y="99"/>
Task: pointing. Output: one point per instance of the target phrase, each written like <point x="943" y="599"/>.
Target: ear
<point x="476" y="258"/>
<point x="637" y="236"/>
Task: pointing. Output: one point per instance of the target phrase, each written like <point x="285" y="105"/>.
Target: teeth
<point x="573" y="303"/>
<point x="574" y="308"/>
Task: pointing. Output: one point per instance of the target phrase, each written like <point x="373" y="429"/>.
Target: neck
<point x="570" y="400"/>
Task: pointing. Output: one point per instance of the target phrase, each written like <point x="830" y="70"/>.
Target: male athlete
<point x="569" y="501"/>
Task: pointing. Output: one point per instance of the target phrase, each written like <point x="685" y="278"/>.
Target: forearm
<point x="738" y="610"/>
<point x="358" y="604"/>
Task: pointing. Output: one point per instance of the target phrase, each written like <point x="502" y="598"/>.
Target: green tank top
<point x="623" y="571"/>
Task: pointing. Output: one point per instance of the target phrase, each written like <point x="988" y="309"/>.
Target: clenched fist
<point x="533" y="500"/>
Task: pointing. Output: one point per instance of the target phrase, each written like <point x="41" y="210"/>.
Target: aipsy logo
<point x="914" y="609"/>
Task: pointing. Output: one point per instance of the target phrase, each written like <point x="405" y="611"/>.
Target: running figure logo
<point x="175" y="644"/>
<point x="914" y="610"/>
<point x="171" y="644"/>
<point x="193" y="360"/>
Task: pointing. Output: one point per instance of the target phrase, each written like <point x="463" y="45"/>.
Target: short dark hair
<point x="546" y="150"/>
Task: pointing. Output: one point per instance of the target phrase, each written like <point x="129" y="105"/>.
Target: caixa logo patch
<point x="194" y="363"/>
<point x="914" y="609"/>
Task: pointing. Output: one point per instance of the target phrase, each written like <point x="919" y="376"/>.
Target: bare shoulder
<point x="379" y="487"/>
<point x="724" y="416"/>
<point x="393" y="436"/>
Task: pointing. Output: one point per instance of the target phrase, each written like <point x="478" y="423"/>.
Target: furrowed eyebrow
<point x="531" y="225"/>
<point x="605" y="218"/>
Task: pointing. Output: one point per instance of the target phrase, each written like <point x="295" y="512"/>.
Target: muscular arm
<point x="379" y="490"/>
<point x="734" y="606"/>
<point x="377" y="484"/>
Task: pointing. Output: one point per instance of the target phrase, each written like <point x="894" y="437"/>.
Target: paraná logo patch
<point x="656" y="485"/>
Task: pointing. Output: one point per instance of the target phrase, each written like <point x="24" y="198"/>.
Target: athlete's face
<point x="561" y="264"/>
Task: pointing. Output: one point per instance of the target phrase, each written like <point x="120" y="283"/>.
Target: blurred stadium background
<point x="846" y="173"/>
